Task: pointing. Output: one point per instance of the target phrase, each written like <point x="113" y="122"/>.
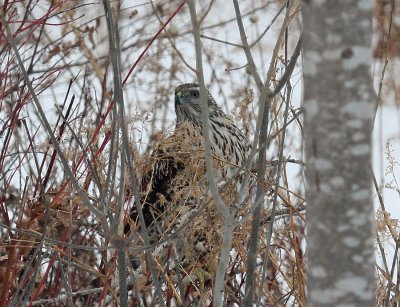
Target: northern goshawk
<point x="160" y="182"/>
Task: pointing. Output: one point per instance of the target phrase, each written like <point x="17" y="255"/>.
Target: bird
<point x="228" y="143"/>
<point x="181" y="154"/>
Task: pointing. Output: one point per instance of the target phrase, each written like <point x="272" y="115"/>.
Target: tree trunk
<point x="339" y="104"/>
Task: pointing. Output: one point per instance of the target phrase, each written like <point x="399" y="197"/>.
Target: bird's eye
<point x="195" y="93"/>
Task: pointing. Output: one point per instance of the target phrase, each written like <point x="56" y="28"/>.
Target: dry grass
<point x="55" y="248"/>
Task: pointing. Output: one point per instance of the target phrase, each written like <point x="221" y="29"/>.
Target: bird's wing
<point x="166" y="171"/>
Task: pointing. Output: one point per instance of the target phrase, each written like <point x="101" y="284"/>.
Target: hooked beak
<point x="177" y="99"/>
<point x="181" y="99"/>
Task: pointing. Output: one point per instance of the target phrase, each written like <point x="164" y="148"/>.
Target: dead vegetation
<point x="60" y="207"/>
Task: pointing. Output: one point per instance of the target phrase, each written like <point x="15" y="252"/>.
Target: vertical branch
<point x="246" y="48"/>
<point x="46" y="124"/>
<point x="115" y="54"/>
<point x="278" y="176"/>
<point x="205" y="114"/>
<point x="126" y="157"/>
<point x="261" y="137"/>
<point x="222" y="208"/>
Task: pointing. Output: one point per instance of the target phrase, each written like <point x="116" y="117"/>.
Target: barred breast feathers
<point x="228" y="143"/>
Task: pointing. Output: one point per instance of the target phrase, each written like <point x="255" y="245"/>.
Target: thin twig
<point x="236" y="68"/>
<point x="220" y="41"/>
<point x="65" y="297"/>
<point x="268" y="27"/>
<point x="47" y="126"/>
<point x="261" y="136"/>
<point x="288" y="70"/>
<point x="35" y="261"/>
<point x="163" y="26"/>
<point x="246" y="48"/>
<point x="278" y="176"/>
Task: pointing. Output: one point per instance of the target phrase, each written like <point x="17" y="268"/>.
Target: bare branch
<point x="246" y="48"/>
<point x="47" y="126"/>
<point x="66" y="297"/>
<point x="222" y="208"/>
<point x="261" y="136"/>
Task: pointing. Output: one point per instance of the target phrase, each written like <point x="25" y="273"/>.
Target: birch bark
<point x="339" y="108"/>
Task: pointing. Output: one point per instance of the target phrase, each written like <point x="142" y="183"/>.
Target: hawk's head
<point x="228" y="143"/>
<point x="188" y="104"/>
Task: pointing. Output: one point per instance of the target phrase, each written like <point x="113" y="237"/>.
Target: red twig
<point x="53" y="156"/>
<point x="111" y="105"/>
<point x="36" y="22"/>
<point x="152" y="40"/>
